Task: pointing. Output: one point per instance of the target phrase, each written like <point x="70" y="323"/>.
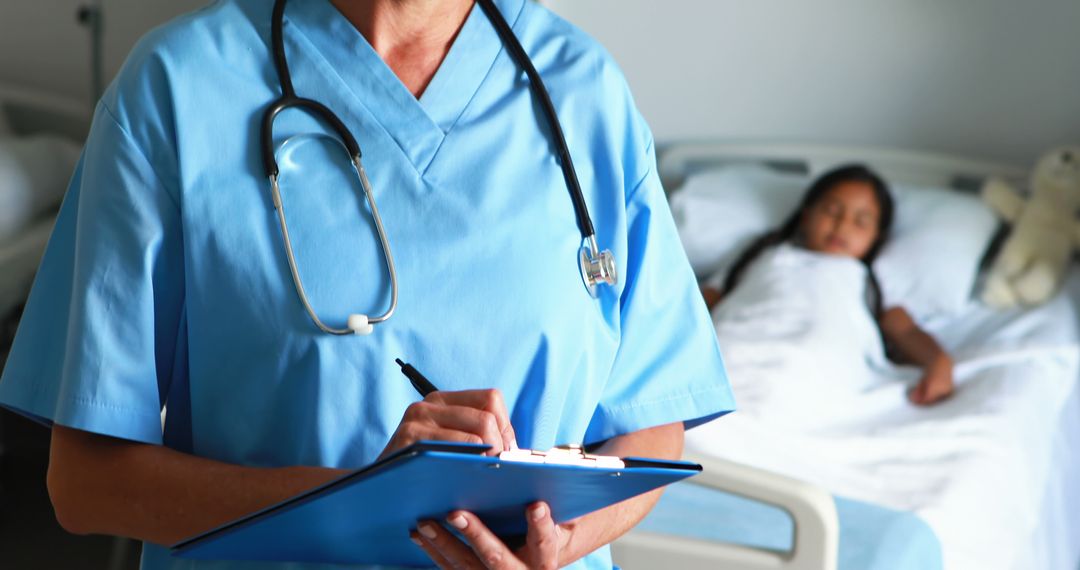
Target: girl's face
<point x="844" y="221"/>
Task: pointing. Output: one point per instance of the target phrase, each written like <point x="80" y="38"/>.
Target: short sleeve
<point x="668" y="366"/>
<point x="97" y="339"/>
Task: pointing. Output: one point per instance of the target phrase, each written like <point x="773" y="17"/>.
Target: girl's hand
<point x="482" y="549"/>
<point x="468" y="416"/>
<point x="936" y="383"/>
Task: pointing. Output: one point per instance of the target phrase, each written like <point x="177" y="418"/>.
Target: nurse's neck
<point x="411" y="36"/>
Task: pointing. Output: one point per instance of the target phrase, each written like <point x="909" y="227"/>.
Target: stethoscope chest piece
<point x="596" y="267"/>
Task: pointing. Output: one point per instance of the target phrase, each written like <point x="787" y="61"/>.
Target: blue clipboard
<point x="365" y="516"/>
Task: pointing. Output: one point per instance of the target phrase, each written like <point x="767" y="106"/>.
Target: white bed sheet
<point x="1055" y="542"/>
<point x="1053" y="531"/>
<point x="1004" y="498"/>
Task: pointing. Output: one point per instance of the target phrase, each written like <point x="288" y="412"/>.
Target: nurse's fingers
<point x="436" y="433"/>
<point x="485" y="546"/>
<point x="488" y="400"/>
<point x="542" y="540"/>
<point x="463" y="418"/>
<point x="455" y="553"/>
<point x="432" y="552"/>
<point x="410" y="432"/>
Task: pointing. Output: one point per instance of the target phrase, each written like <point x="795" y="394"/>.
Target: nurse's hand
<point x="468" y="416"/>
<point x="482" y="549"/>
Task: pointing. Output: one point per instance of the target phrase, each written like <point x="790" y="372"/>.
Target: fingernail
<point x="428" y="531"/>
<point x="458" y="522"/>
<point x="538" y="513"/>
<point x="513" y="444"/>
<point x="416" y="541"/>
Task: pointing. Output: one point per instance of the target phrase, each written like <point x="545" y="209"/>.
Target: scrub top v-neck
<point x="165" y="285"/>
<point x="417" y="126"/>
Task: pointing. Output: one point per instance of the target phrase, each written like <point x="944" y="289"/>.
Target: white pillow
<point x="928" y="265"/>
<point x="34" y="174"/>
<point x="720" y="211"/>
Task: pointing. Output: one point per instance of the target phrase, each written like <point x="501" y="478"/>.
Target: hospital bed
<point x="40" y="137"/>
<point x="1029" y="518"/>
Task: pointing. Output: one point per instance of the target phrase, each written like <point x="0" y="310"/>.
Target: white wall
<point x="988" y="78"/>
<point x="42" y="46"/>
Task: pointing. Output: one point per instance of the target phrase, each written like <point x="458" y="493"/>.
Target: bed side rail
<point x="811" y="508"/>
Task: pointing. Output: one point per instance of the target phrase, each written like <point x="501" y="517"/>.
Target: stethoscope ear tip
<point x="359" y="324"/>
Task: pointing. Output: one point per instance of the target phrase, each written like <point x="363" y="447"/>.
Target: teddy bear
<point x="1032" y="262"/>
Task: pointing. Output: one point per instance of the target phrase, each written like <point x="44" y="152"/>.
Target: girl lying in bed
<point x="847" y="213"/>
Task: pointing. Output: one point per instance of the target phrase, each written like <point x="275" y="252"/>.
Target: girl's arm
<point x="916" y="347"/>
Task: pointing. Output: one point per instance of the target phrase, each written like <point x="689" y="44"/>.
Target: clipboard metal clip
<point x="563" y="455"/>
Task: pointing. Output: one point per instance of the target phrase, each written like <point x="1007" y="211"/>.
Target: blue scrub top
<point x="165" y="281"/>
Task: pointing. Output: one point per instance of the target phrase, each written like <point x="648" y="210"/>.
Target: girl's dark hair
<point x="817" y="190"/>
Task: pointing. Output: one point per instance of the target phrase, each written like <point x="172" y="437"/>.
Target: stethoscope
<point x="596" y="266"/>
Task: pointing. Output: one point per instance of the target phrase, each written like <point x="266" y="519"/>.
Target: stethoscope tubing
<point x="595" y="265"/>
<point x="536" y="83"/>
<point x="383" y="240"/>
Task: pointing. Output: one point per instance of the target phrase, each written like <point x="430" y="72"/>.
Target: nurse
<point x="165" y="291"/>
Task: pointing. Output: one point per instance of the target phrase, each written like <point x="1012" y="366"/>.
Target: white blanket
<point x="817" y="400"/>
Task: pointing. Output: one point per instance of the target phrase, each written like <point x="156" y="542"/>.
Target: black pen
<point x="422" y="385"/>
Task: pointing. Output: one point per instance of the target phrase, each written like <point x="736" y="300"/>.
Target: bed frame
<point x="678" y="161"/>
<point x="811" y="508"/>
